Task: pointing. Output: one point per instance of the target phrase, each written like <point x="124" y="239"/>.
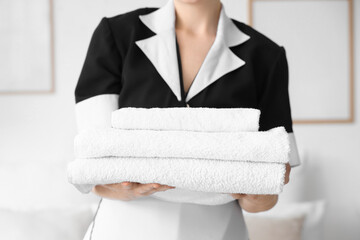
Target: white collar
<point x="161" y="50"/>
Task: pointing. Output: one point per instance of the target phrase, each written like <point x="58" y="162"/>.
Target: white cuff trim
<point x="294" y="152"/>
<point x="95" y="112"/>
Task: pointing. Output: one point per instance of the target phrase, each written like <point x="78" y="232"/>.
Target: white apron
<point x="153" y="219"/>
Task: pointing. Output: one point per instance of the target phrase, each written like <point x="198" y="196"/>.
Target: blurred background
<point x="41" y="56"/>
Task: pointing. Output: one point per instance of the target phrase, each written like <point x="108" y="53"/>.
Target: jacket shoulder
<point x="263" y="54"/>
<point x="128" y="20"/>
<point x="259" y="42"/>
<point x="260" y="50"/>
<point x="127" y="27"/>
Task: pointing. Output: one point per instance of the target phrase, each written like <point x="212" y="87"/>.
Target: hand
<point x="258" y="202"/>
<point x="128" y="190"/>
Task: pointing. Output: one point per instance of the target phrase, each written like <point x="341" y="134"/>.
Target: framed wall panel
<point x="26" y="47"/>
<point x="318" y="38"/>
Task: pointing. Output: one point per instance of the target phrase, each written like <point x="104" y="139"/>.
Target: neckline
<point x="180" y="71"/>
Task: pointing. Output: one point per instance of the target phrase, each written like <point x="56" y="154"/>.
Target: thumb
<point x="238" y="195"/>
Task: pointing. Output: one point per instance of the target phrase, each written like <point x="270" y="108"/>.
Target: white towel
<point x="187" y="119"/>
<point x="210" y="176"/>
<point x="201" y="175"/>
<point x="264" y="146"/>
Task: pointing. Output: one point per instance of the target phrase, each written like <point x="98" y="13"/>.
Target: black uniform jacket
<point x="133" y="61"/>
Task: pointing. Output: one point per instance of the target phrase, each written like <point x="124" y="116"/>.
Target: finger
<point x="129" y="185"/>
<point x="147" y="186"/>
<point x="147" y="193"/>
<point x="112" y="185"/>
<point x="152" y="187"/>
<point x="100" y="190"/>
<point x="164" y="188"/>
<point x="286" y="181"/>
<point x="287" y="174"/>
<point x="103" y="191"/>
<point x="238" y="195"/>
<point x="144" y="188"/>
<point x="121" y="186"/>
<point x="159" y="189"/>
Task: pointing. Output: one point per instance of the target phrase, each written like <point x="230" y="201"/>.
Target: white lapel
<point x="161" y="50"/>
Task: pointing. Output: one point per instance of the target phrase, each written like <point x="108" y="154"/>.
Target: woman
<point x="186" y="53"/>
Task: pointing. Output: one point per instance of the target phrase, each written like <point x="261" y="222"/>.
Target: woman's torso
<point x="141" y="84"/>
<point x="153" y="219"/>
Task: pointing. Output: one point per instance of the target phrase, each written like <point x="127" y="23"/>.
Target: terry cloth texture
<point x="205" y="153"/>
<point x="265" y="146"/>
<point x="204" y="175"/>
<point x="187" y="119"/>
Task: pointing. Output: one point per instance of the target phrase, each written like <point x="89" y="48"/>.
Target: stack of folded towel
<point x="208" y="150"/>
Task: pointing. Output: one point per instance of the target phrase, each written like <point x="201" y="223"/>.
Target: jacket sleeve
<point x="98" y="87"/>
<point x="274" y="103"/>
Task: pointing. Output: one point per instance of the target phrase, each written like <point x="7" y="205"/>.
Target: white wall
<point x="38" y="130"/>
